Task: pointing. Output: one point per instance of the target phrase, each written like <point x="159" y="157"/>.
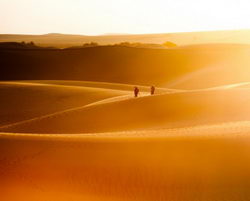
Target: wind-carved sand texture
<point x="86" y="140"/>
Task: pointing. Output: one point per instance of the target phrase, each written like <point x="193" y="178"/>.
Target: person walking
<point x="136" y="91"/>
<point x="152" y="91"/>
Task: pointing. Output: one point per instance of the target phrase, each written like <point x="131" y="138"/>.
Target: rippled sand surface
<point x="97" y="142"/>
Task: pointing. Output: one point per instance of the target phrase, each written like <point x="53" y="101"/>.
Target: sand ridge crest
<point x="162" y="110"/>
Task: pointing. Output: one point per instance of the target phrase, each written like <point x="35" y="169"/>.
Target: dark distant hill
<point x="22" y="45"/>
<point x="123" y="64"/>
<point x="67" y="40"/>
<point x="124" y="44"/>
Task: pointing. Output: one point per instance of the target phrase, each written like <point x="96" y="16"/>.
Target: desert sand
<point x="71" y="140"/>
<point x="183" y="67"/>
<point x="76" y="140"/>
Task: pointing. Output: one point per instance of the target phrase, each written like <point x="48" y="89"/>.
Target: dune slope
<point x="174" y="146"/>
<point x="170" y="110"/>
<point x="63" y="139"/>
<point x="221" y="63"/>
<point x="23" y="100"/>
<point x="102" y="85"/>
<point x="139" y="167"/>
<point x="234" y="68"/>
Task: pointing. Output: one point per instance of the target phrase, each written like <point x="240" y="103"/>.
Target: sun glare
<point x="121" y="16"/>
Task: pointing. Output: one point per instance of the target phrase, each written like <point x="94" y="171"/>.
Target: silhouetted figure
<point x="136" y="91"/>
<point x="152" y="91"/>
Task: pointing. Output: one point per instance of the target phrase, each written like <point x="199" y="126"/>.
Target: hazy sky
<point x="92" y="17"/>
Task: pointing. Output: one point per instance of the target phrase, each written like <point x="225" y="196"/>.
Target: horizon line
<point x="124" y="34"/>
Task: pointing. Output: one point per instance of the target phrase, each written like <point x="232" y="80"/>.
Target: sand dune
<point x="71" y="129"/>
<point x="234" y="68"/>
<point x="94" y="141"/>
<point x="173" y="165"/>
<point x="186" y="67"/>
<point x="38" y="99"/>
<point x="169" y="110"/>
<point x="102" y="85"/>
<point x="41" y="98"/>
